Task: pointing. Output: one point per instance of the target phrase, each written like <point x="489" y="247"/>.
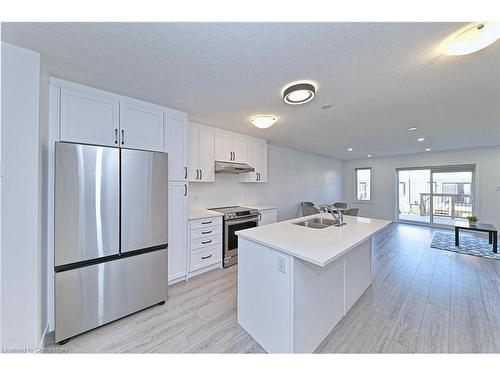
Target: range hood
<point x="232" y="168"/>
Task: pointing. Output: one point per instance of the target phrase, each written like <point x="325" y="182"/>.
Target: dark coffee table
<point x="479" y="227"/>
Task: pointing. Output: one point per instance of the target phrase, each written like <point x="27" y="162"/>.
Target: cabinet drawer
<point x="205" y="232"/>
<point x="205" y="223"/>
<point x="205" y="242"/>
<point x="205" y="257"/>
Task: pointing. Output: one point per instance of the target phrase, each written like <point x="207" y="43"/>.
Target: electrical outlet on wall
<point x="281" y="264"/>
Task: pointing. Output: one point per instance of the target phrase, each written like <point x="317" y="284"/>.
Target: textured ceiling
<point x="380" y="78"/>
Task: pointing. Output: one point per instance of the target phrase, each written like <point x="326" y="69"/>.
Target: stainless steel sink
<point x="316" y="223"/>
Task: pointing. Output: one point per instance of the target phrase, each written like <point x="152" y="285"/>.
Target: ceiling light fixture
<point x="412" y="129"/>
<point x="263" y="121"/>
<point x="421" y="139"/>
<point x="349" y="149"/>
<point x="471" y="38"/>
<point x="299" y="93"/>
<point x="427" y="149"/>
<point x="369" y="155"/>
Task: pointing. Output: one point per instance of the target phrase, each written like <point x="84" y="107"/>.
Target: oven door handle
<point x="247" y="220"/>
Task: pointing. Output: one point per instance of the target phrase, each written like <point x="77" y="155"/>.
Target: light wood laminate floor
<point x="421" y="300"/>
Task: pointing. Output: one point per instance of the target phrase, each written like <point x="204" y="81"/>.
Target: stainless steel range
<point x="235" y="218"/>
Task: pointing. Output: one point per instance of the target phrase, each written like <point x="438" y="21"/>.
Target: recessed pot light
<point x="369" y="155"/>
<point x="263" y="121"/>
<point x="326" y="106"/>
<point x="427" y="149"/>
<point x="349" y="149"/>
<point x="412" y="129"/>
<point x="299" y="93"/>
<point x="471" y="38"/>
<point x="421" y="139"/>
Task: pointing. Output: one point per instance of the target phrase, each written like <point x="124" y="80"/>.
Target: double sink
<point x="317" y="223"/>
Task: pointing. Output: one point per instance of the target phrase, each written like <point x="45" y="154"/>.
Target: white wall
<point x="383" y="204"/>
<point x="20" y="261"/>
<point x="293" y="177"/>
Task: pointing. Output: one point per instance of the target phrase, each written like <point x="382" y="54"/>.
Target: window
<point x="436" y="195"/>
<point x="363" y="184"/>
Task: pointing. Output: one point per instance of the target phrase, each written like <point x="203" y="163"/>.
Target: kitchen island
<point x="296" y="282"/>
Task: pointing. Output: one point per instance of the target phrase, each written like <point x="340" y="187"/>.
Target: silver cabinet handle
<point x="208" y="256"/>
<point x="207" y="232"/>
<point x="197" y="174"/>
<point x="205" y="242"/>
<point x="207" y="222"/>
<point x="123" y="137"/>
<point x="201" y="174"/>
<point x="185" y="190"/>
<point x="116" y="136"/>
<point x="234" y="156"/>
<point x="185" y="172"/>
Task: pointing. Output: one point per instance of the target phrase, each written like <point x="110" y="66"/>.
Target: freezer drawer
<point x="87" y="205"/>
<point x="144" y="199"/>
<point x="88" y="297"/>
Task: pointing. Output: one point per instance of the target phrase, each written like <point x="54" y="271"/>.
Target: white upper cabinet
<point x="230" y="147"/>
<point x="98" y="117"/>
<point x="176" y="130"/>
<point x="141" y="126"/>
<point x="223" y="146"/>
<point x="88" y="117"/>
<point x="240" y="149"/>
<point x="257" y="158"/>
<point x="201" y="153"/>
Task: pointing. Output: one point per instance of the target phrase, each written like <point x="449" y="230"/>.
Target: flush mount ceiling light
<point x="427" y="149"/>
<point x="263" y="121"/>
<point x="349" y="149"/>
<point x="420" y="139"/>
<point x="471" y="38"/>
<point x="412" y="129"/>
<point x="369" y="155"/>
<point x="299" y="93"/>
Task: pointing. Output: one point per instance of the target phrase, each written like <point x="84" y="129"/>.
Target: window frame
<point x="356" y="185"/>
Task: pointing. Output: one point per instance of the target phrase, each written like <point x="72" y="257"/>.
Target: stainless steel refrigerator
<point x="110" y="234"/>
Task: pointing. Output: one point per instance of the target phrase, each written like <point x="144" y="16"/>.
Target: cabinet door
<point x="177" y="229"/>
<point x="193" y="147"/>
<point x="223" y="146"/>
<point x="176" y="147"/>
<point x="261" y="161"/>
<point x="240" y="149"/>
<point x="89" y="118"/>
<point x="206" y="154"/>
<point x="268" y="217"/>
<point x="251" y="161"/>
<point x="141" y="127"/>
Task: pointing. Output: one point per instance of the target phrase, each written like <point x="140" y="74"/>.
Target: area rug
<point x="469" y="245"/>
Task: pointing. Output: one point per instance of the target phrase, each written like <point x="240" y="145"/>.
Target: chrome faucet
<point x="338" y="215"/>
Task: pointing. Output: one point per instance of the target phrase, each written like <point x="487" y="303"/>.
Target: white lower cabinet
<point x="205" y="245"/>
<point x="177" y="231"/>
<point x="268" y="216"/>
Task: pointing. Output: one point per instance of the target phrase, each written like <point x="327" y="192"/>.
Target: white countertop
<point x="317" y="246"/>
<point x="260" y="208"/>
<point x="202" y="214"/>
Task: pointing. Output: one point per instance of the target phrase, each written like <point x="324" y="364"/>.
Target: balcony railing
<point x="454" y="206"/>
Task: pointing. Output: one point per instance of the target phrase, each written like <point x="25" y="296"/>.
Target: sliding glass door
<point x="436" y="195"/>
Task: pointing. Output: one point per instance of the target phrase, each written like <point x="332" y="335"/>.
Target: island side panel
<point x="358" y="276"/>
<point x="318" y="301"/>
<point x="265" y="296"/>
